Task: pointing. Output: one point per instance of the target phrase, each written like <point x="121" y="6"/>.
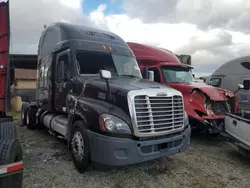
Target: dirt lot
<point x="207" y="163"/>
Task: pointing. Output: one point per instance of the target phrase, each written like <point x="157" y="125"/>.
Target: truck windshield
<point x="118" y="65"/>
<point x="177" y="74"/>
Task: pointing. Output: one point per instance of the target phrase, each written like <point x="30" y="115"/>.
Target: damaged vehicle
<point x="236" y="129"/>
<point x="204" y="104"/>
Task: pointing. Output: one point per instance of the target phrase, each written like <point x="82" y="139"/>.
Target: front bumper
<point x="115" y="151"/>
<point x="211" y="124"/>
<point x="214" y="124"/>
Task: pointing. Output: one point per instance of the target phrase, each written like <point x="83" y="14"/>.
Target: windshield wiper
<point x="128" y="75"/>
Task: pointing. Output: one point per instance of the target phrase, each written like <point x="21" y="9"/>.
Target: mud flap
<point x="10" y="152"/>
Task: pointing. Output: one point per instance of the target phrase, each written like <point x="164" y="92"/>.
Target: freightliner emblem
<point x="161" y="94"/>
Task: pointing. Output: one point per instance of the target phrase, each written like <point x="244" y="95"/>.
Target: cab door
<point x="63" y="74"/>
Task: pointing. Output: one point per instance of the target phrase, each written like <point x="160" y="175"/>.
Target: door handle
<point x="234" y="122"/>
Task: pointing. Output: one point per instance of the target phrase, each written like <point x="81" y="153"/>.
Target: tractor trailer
<point x="90" y="91"/>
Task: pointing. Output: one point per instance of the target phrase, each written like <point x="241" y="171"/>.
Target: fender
<point x="71" y="119"/>
<point x="88" y="110"/>
<point x="194" y="108"/>
<point x="196" y="101"/>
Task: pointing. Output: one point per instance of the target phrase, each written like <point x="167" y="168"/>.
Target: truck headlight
<point x="110" y="123"/>
<point x="208" y="107"/>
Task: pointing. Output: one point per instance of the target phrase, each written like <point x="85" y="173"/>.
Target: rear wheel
<point x="10" y="152"/>
<point x="23" y="115"/>
<point x="79" y="145"/>
<point x="31" y="117"/>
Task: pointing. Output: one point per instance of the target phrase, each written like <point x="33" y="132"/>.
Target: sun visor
<point x="185" y="59"/>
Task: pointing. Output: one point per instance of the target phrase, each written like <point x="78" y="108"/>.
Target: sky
<point x="211" y="31"/>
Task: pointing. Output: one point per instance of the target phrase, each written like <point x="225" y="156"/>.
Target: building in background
<point x="24" y="75"/>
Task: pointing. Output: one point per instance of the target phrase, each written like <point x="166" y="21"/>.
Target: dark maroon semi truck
<point x="90" y="92"/>
<point x="11" y="164"/>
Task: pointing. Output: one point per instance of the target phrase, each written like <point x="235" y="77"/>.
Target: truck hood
<point x="215" y="94"/>
<point x="96" y="88"/>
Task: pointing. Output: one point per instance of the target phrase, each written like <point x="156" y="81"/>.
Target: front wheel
<point x="30" y="118"/>
<point x="79" y="145"/>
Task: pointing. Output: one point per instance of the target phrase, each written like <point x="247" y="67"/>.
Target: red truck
<point x="204" y="104"/>
<point x="11" y="164"/>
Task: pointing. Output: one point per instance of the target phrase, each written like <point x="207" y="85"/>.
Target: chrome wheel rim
<point x="78" y="146"/>
<point x="22" y="115"/>
<point x="27" y="119"/>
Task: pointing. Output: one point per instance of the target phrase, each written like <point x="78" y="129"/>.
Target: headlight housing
<point x="113" y="124"/>
<point x="208" y="107"/>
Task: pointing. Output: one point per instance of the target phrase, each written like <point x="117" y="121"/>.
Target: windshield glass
<point x="177" y="74"/>
<point x="118" y="65"/>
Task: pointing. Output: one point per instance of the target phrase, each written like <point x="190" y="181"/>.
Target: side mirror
<point x="194" y="75"/>
<point x="246" y="84"/>
<point x="151" y="75"/>
<point x="210" y="83"/>
<point x="104" y="74"/>
<point x="68" y="85"/>
<point x="240" y="86"/>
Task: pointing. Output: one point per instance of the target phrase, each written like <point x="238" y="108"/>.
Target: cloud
<point x="212" y="40"/>
<point x="209" y="14"/>
<point x="209" y="49"/>
<point x="98" y="18"/>
<point x="170" y="36"/>
<point x="28" y="17"/>
<point x="210" y="31"/>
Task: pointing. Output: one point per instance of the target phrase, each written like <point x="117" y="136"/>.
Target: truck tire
<point x="7" y="130"/>
<point x="10" y="152"/>
<point x="79" y="145"/>
<point x="31" y="118"/>
<point x="6" y="119"/>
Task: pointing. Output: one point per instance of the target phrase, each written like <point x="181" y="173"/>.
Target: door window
<point x="216" y="82"/>
<point x="63" y="69"/>
<point x="157" y="77"/>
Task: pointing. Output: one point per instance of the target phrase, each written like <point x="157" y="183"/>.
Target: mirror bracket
<point x="106" y="75"/>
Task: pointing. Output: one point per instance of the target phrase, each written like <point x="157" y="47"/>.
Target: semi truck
<point x="11" y="164"/>
<point x="204" y="104"/>
<point x="90" y="92"/>
<point x="229" y="75"/>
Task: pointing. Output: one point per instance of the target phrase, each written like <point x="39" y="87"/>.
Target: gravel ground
<point x="209" y="162"/>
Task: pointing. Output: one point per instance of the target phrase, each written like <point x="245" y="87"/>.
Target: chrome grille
<point x="155" y="114"/>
